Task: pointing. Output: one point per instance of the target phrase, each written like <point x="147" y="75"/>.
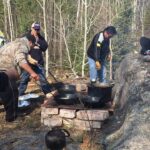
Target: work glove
<point x="31" y="60"/>
<point x="98" y="65"/>
<point x="98" y="44"/>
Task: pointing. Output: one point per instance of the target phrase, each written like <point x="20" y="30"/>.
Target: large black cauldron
<point x="104" y="93"/>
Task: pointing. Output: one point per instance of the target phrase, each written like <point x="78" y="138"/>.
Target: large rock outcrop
<point x="132" y="98"/>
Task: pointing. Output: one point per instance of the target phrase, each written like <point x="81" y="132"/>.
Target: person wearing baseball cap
<point x="36" y="61"/>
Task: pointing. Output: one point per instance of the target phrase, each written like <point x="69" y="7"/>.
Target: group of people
<point x="22" y="59"/>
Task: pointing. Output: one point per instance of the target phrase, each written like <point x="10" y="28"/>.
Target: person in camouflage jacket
<point x="13" y="59"/>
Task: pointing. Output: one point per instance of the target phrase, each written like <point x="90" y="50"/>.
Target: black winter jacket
<point x="99" y="49"/>
<point x="36" y="53"/>
<point x="145" y="44"/>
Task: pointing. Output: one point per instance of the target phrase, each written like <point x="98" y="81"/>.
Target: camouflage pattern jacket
<point x="13" y="54"/>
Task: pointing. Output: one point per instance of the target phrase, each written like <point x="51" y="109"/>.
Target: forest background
<point x="69" y="26"/>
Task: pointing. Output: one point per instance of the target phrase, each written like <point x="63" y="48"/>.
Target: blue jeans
<point x="97" y="74"/>
<point x="25" y="77"/>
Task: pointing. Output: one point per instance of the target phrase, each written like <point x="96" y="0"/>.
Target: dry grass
<point x="89" y="143"/>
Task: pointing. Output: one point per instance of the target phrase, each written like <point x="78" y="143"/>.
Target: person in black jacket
<point x="98" y="52"/>
<point x="145" y="44"/>
<point x="36" y="61"/>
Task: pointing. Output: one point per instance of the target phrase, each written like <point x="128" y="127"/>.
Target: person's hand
<point x="31" y="60"/>
<point x="98" y="65"/>
<point x="109" y="57"/>
<point x="55" y="93"/>
<point x="52" y="94"/>
<point x="35" y="76"/>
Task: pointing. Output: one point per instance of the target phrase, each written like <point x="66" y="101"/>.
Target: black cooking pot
<point x="104" y="93"/>
<point x="92" y="101"/>
<point x="67" y="88"/>
<point x="66" y="99"/>
<point x="56" y="138"/>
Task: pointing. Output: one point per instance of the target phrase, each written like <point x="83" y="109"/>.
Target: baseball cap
<point x="36" y="26"/>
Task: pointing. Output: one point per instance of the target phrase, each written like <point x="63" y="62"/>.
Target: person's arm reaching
<point x="20" y="58"/>
<point x="27" y="68"/>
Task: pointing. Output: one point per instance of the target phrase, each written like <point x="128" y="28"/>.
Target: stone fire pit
<point x="76" y="116"/>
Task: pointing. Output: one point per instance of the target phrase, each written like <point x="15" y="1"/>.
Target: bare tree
<point x="60" y="37"/>
<point x="142" y="17"/>
<point x="85" y="36"/>
<point x="64" y="36"/>
<point x="78" y="12"/>
<point x="11" y="26"/>
<point x="43" y="7"/>
<point x="5" y="18"/>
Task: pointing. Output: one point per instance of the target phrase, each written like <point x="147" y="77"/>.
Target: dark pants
<point x="9" y="96"/>
<point x="25" y="77"/>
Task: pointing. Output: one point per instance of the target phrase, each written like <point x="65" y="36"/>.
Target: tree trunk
<point x="134" y="16"/>
<point x="45" y="32"/>
<point x="11" y="27"/>
<point x="111" y="53"/>
<point x="60" y="37"/>
<point x="5" y="19"/>
<point x="142" y="18"/>
<point x="78" y="12"/>
<point x="85" y="37"/>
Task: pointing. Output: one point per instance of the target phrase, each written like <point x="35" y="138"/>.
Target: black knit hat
<point x="111" y="30"/>
<point x="31" y="38"/>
